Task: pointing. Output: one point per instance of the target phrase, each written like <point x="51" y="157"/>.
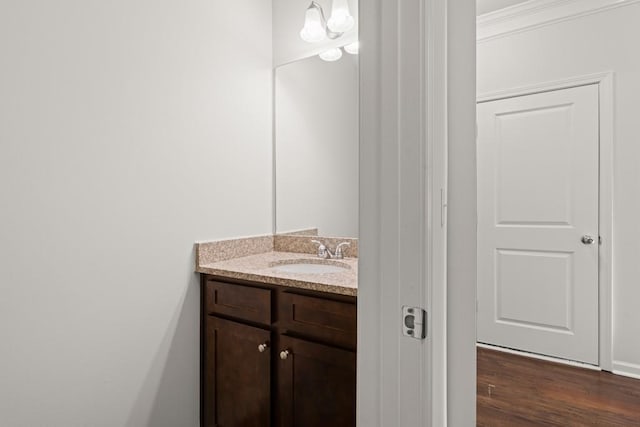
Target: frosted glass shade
<point x="352" y="48"/>
<point x="331" y="54"/>
<point x="341" y="20"/>
<point x="314" y="30"/>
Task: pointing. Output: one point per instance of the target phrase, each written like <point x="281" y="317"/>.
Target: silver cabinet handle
<point x="263" y="347"/>
<point x="284" y="354"/>
<point x="587" y="240"/>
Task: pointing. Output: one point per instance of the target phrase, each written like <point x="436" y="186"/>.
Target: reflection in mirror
<point x="316" y="146"/>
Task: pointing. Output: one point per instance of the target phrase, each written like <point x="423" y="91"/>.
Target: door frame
<point x="402" y="232"/>
<point x="417" y="116"/>
<point x="605" y="82"/>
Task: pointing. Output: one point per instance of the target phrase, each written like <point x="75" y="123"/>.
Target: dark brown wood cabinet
<point x="276" y="356"/>
<point x="316" y="385"/>
<point x="236" y="376"/>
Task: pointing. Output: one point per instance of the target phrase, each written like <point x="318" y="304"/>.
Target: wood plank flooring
<point x="516" y="391"/>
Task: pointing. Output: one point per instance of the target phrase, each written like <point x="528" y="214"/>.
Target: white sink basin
<point x="307" y="267"/>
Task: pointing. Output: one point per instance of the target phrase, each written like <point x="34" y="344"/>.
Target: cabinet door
<point x="316" y="384"/>
<point x="237" y="376"/>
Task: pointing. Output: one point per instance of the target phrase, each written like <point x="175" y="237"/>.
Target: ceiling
<point x="486" y="6"/>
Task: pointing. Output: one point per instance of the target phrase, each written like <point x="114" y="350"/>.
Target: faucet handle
<point x="322" y="249"/>
<point x="340" y="251"/>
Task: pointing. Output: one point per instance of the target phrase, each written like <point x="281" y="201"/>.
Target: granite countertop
<point x="252" y="259"/>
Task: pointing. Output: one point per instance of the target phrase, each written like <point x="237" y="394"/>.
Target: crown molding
<point x="534" y="14"/>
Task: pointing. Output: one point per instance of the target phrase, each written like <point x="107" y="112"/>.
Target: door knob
<point x="284" y="355"/>
<point x="587" y="240"/>
<point x="263" y="347"/>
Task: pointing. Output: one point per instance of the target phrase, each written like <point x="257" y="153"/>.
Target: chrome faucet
<point x="324" y="252"/>
<point x="339" y="251"/>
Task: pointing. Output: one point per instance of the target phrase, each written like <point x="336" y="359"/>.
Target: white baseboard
<point x="541" y="357"/>
<point x="630" y="370"/>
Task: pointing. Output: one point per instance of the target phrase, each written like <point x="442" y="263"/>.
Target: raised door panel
<point x="236" y="375"/>
<point x="317" y="385"/>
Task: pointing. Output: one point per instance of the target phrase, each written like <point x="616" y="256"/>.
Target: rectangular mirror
<point x="316" y="146"/>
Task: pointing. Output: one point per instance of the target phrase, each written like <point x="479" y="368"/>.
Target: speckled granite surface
<point x="252" y="259"/>
<point x="208" y="252"/>
<point x="303" y="244"/>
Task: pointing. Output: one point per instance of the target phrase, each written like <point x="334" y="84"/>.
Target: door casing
<point x="605" y="82"/>
<point x="402" y="232"/>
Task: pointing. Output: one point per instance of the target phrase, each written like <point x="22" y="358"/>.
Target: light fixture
<point x="340" y="20"/>
<point x="331" y="54"/>
<point x="352" y="48"/>
<point x="314" y="29"/>
<point x="317" y="28"/>
<point x="336" y="53"/>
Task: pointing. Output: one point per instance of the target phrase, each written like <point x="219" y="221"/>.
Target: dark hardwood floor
<point x="517" y="391"/>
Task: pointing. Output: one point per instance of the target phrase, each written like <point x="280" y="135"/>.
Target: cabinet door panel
<point x="317" y="385"/>
<point x="237" y="377"/>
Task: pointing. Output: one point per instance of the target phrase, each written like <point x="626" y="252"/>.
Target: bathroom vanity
<point x="278" y="347"/>
<point x="278" y="322"/>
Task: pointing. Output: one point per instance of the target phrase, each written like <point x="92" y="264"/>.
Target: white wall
<point x="591" y="44"/>
<point x="316" y="124"/>
<point x="128" y="130"/>
<point x="288" y="20"/>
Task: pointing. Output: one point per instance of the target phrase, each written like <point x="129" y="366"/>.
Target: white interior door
<point x="537" y="202"/>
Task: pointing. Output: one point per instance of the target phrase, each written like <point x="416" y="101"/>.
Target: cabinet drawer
<point x="331" y="321"/>
<point x="243" y="302"/>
